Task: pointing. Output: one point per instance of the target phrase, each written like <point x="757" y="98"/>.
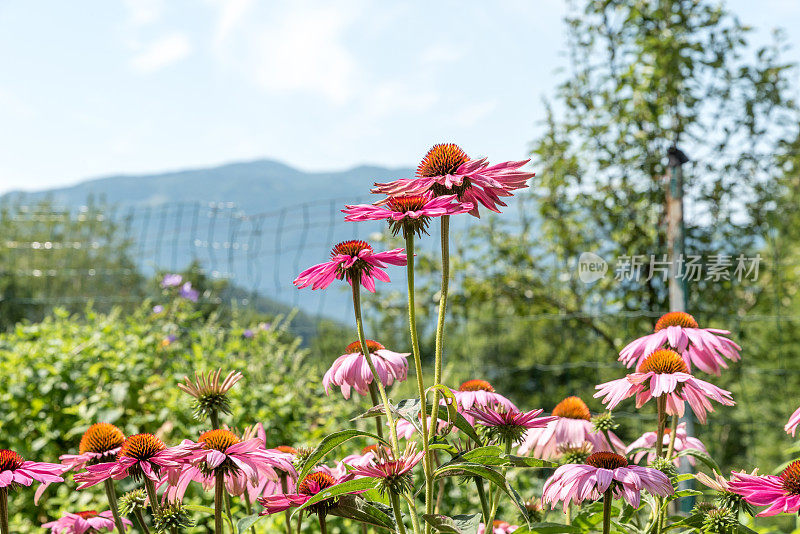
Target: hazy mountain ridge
<point x="253" y="186"/>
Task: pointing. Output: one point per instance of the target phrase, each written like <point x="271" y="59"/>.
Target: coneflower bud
<point x="575" y="454"/>
<point x="172" y="517"/>
<point x="666" y="467"/>
<point x="132" y="501"/>
<point x="719" y="521"/>
<point x="210" y="394"/>
<point x="604" y="422"/>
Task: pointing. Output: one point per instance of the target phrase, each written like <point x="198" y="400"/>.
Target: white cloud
<point x="143" y="12"/>
<point x="441" y="53"/>
<point x="292" y="47"/>
<point x="231" y="13"/>
<point x="473" y="113"/>
<point x="162" y="52"/>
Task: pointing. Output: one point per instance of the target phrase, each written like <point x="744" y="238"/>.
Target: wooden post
<point x="677" y="279"/>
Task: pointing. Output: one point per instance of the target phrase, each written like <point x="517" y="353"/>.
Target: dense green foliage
<point x="67" y="372"/>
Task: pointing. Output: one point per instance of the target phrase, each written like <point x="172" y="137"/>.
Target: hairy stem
<point x="496" y="498"/>
<point x="219" y="496"/>
<point x="427" y="460"/>
<point x="111" y="494"/>
<point x="414" y="515"/>
<point x="151" y="493"/>
<point x="4" y="510"/>
<point x="437" y="369"/>
<point x="672" y="431"/>
<point x="373" y="393"/>
<point x="140" y="519"/>
<point x="482" y="496"/>
<point x="607" y="498"/>
<point x="323" y="524"/>
<point x="398" y="517"/>
<point x="661" y="406"/>
<point x="287" y="513"/>
<point x="611" y="443"/>
<point x="375" y="378"/>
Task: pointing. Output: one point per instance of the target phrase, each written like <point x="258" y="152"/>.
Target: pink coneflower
<point x="480" y="393"/>
<point x="508" y="425"/>
<point x="351" y="260"/>
<point x="794" y="420"/>
<point x="447" y="170"/>
<point x="15" y="471"/>
<point x="498" y="527"/>
<point x="243" y="463"/>
<point x="312" y="484"/>
<point x="80" y="522"/>
<point x="100" y="443"/>
<point x="704" y="348"/>
<point x="665" y="373"/>
<point x="682" y="442"/>
<point x="406" y="430"/>
<point x="351" y="370"/>
<point x="140" y="456"/>
<point x="392" y="471"/>
<point x="407" y="214"/>
<point x="781" y="494"/>
<point x="603" y="470"/>
<point x="571" y="428"/>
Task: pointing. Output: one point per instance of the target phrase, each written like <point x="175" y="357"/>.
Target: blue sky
<point x="92" y="88"/>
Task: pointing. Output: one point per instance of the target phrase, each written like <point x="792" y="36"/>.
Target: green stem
<point x="427" y="460"/>
<point x="373" y="393"/>
<point x="137" y="513"/>
<point x="4" y="510"/>
<point x="437" y="369"/>
<point x="607" y="498"/>
<point x="496" y="497"/>
<point x="398" y="517"/>
<point x="375" y="378"/>
<point x="228" y="508"/>
<point x="673" y="429"/>
<point x="287" y="513"/>
<point x="661" y="406"/>
<point x="323" y="524"/>
<point x="482" y="495"/>
<point x="249" y="506"/>
<point x="611" y="443"/>
<point x="111" y="494"/>
<point x="414" y="515"/>
<point x="219" y="495"/>
<point x="214" y="416"/>
<point x="151" y="493"/>
<point x="299" y="521"/>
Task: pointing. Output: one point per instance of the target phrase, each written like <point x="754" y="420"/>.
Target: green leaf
<point x="246" y="522"/>
<point x="524" y="461"/>
<point x="703" y="457"/>
<point x="453" y="416"/>
<point x="198" y="508"/>
<point x="458" y="524"/>
<point x="329" y="443"/>
<point x="358" y="509"/>
<point x="548" y="528"/>
<point x="495" y="477"/>
<point x="351" y="486"/>
<point x="492" y="455"/>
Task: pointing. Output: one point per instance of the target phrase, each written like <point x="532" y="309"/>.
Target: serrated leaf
<point x="351" y="486"/>
<point x="358" y="509"/>
<point x="329" y="443"/>
<point x="458" y="524"/>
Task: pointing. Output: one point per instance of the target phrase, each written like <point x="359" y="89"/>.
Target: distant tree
<point x="52" y="256"/>
<point x="642" y="75"/>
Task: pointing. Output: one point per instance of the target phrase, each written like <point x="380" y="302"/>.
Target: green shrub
<point x="67" y="372"/>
